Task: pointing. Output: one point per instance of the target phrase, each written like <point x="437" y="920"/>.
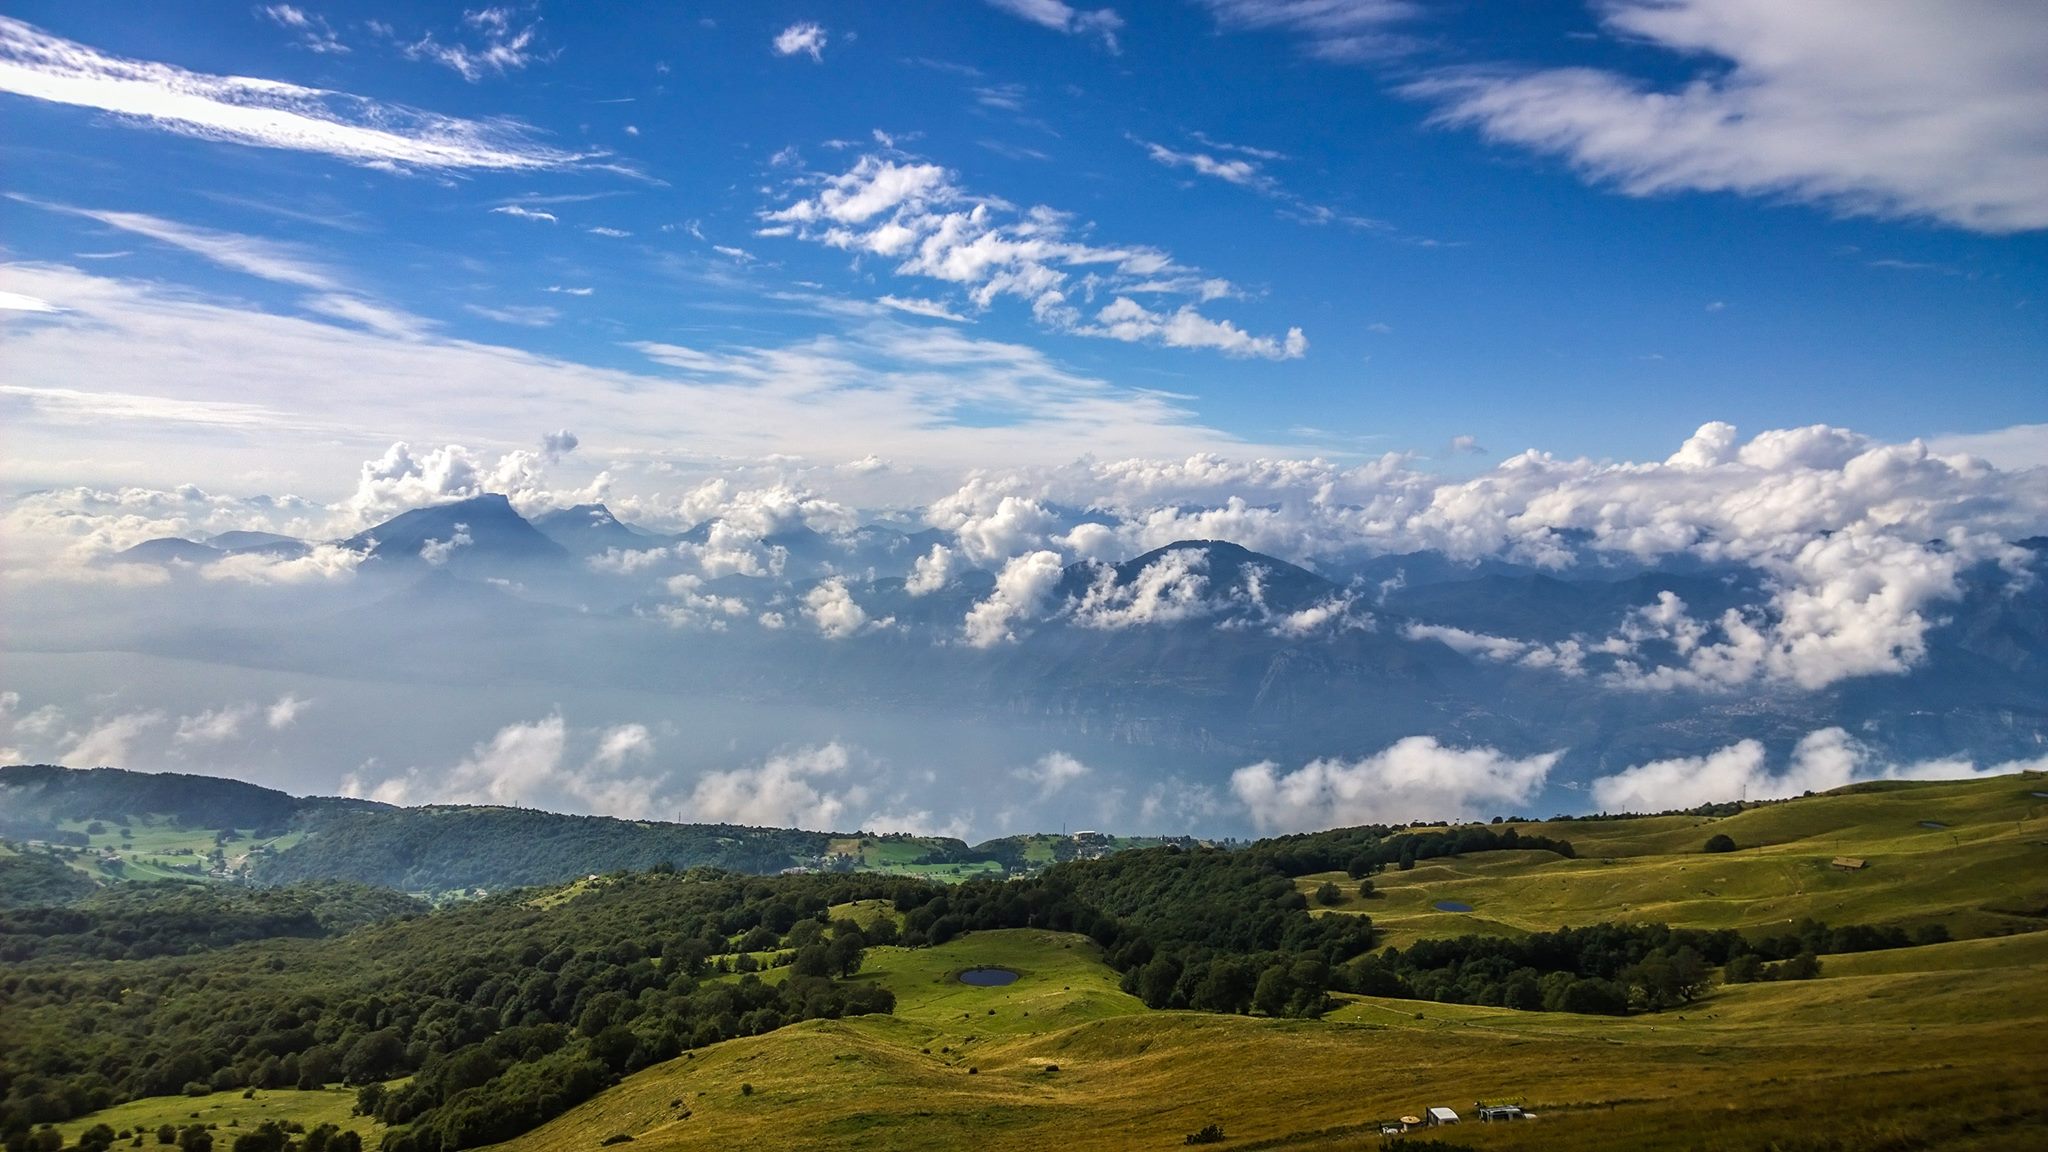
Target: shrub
<point x="1720" y="842"/>
<point x="1208" y="1134"/>
<point x="615" y="1138"/>
<point x="1329" y="895"/>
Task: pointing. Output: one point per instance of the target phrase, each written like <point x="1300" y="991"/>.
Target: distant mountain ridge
<point x="1199" y="645"/>
<point x="437" y="848"/>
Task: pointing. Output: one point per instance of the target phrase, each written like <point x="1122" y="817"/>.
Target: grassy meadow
<point x="231" y="1111"/>
<point x="1942" y="1046"/>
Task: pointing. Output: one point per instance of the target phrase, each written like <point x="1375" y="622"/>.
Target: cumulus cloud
<point x="1412" y="779"/>
<point x="111" y="742"/>
<point x="1824" y="759"/>
<point x="260" y="113"/>
<point x="1869" y="107"/>
<point x="1023" y="587"/>
<point x="790" y="790"/>
<point x="915" y="214"/>
<point x="528" y="764"/>
<point x="402" y="479"/>
<point x="804" y="39"/>
<point x="932" y="571"/>
<point x="1170" y="589"/>
<point x="1053" y="772"/>
<point x="830" y="608"/>
<point x="214" y="726"/>
<point x="1185" y="327"/>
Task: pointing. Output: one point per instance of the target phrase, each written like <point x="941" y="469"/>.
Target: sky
<point x="250" y="246"/>
<point x="1756" y="282"/>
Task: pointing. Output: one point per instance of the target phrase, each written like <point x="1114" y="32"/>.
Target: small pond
<point x="1936" y="824"/>
<point x="1452" y="906"/>
<point x="988" y="977"/>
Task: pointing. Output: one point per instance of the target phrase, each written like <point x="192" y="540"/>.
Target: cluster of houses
<point x="1439" y="1117"/>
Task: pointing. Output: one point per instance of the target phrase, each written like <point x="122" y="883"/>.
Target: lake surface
<point x="1452" y="906"/>
<point x="988" y="977"/>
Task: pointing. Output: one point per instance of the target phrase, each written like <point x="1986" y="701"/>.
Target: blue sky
<point x="1539" y="272"/>
<point x="1568" y="284"/>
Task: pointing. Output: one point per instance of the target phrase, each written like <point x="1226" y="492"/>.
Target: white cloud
<point x="522" y="213"/>
<point x="913" y="213"/>
<point x="437" y="552"/>
<point x="1330" y="29"/>
<point x="806" y="39"/>
<point x="931" y="309"/>
<point x="1869" y="107"/>
<point x="1127" y="320"/>
<point x="1412" y="779"/>
<point x="830" y="608"/>
<point x="284" y="711"/>
<point x="783" y="792"/>
<point x="2020" y="446"/>
<point x="932" y="571"/>
<point x="1063" y="17"/>
<point x="1234" y="170"/>
<point x="1824" y="759"/>
<point x="247" y="254"/>
<point x="1021" y="591"/>
<point x="260" y="113"/>
<point x="314" y="33"/>
<point x="125" y="355"/>
<point x="1053" y="772"/>
<point x="495" y="44"/>
<point x="1171" y="589"/>
<point x="111" y="742"/>
<point x="527" y="765"/>
<point x="322" y="562"/>
<point x="17" y="302"/>
<point x="214" y="726"/>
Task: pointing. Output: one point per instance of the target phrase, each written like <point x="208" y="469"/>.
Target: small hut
<point x="1850" y="863"/>
<point x="1442" y="1116"/>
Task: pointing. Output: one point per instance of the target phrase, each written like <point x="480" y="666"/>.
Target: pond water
<point x="1932" y="824"/>
<point x="1452" y="906"/>
<point x="988" y="977"/>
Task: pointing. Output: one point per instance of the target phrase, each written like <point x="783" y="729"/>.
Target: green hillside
<point x="113" y="826"/>
<point x="1969" y="856"/>
<point x="687" y="1010"/>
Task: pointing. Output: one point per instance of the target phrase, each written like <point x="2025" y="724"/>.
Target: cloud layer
<point x="260" y="113"/>
<point x="1872" y="107"/>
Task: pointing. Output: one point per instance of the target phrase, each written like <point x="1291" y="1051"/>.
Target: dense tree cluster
<point x="437" y="849"/>
<point x="40" y="879"/>
<point x="168" y="918"/>
<point x="503" y="1012"/>
<point x="1366" y="850"/>
<point x="1608" y="969"/>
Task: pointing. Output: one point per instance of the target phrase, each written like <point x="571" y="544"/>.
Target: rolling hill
<point x="1935" y="1045"/>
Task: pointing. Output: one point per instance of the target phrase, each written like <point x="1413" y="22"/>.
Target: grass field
<point x="231" y="1110"/>
<point x="1984" y="873"/>
<point x="1937" y="1047"/>
<point x="1949" y="1056"/>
